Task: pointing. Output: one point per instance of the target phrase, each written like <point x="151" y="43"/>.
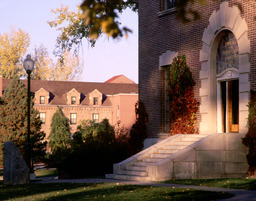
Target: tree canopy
<point x="13" y="47"/>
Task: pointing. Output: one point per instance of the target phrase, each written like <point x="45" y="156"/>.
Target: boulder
<point x="16" y="170"/>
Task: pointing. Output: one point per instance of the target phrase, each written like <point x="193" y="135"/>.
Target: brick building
<point x="115" y="100"/>
<point x="220" y="49"/>
<point x="224" y="34"/>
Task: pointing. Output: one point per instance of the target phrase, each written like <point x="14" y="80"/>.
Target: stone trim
<point x="226" y="18"/>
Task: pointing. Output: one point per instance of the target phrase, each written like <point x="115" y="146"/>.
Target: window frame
<point x="73" y="100"/>
<point x="73" y="118"/>
<point x="42" y="100"/>
<point x="43" y="119"/>
<point x="170" y="5"/>
<point x="95" y="100"/>
<point x="96" y="120"/>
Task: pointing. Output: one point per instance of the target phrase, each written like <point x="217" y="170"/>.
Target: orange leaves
<point x="183" y="105"/>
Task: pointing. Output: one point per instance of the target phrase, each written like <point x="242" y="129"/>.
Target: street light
<point x="28" y="65"/>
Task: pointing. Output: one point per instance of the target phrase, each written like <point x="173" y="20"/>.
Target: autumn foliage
<point x="183" y="105"/>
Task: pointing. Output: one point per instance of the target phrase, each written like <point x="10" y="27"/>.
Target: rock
<point x="16" y="170"/>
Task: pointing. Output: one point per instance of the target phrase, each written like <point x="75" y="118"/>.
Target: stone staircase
<point x="147" y="164"/>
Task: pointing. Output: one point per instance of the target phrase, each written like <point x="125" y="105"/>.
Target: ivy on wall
<point x="250" y="138"/>
<point x="183" y="105"/>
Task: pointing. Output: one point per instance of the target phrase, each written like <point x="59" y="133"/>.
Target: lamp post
<point x="28" y="65"/>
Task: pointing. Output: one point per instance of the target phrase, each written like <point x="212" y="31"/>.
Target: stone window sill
<point x="166" y="12"/>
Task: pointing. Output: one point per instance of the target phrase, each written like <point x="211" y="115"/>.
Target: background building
<point x="114" y="100"/>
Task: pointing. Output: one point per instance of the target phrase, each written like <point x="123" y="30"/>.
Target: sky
<point x="107" y="59"/>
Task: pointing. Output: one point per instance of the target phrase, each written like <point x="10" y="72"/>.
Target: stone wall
<point x="218" y="156"/>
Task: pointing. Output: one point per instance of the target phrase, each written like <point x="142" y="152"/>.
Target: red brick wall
<point x="159" y="34"/>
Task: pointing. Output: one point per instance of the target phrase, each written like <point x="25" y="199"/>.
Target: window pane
<point x="42" y="99"/>
<point x="73" y="118"/>
<point x="73" y="100"/>
<point x="42" y="117"/>
<point x="171" y="3"/>
<point x="95" y="117"/>
<point x="95" y="101"/>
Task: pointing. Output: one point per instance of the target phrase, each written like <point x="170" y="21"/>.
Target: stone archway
<point x="226" y="18"/>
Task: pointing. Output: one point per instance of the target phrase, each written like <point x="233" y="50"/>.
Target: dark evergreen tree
<point x="13" y="120"/>
<point x="60" y="132"/>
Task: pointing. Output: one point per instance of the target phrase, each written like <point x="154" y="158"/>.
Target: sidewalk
<point x="240" y="195"/>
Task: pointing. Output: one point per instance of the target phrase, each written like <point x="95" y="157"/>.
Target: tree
<point x="60" y="132"/>
<point x="96" y="17"/>
<point x="13" y="46"/>
<point x="43" y="64"/>
<point x="73" y="31"/>
<point x="13" y="119"/>
<point x="138" y="131"/>
<point x="250" y="138"/>
<point x="67" y="67"/>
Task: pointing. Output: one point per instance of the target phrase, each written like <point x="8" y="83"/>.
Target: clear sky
<point x="107" y="59"/>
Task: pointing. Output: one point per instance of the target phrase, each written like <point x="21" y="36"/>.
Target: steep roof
<point x="120" y="79"/>
<point x="58" y="89"/>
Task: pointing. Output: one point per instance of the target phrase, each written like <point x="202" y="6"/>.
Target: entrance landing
<point x="186" y="156"/>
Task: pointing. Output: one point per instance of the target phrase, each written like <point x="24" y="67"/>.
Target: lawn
<point x="46" y="172"/>
<point x="242" y="183"/>
<point x="104" y="191"/>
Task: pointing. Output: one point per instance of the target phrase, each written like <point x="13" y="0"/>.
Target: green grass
<point x="46" y="172"/>
<point x="105" y="191"/>
<point x="243" y="183"/>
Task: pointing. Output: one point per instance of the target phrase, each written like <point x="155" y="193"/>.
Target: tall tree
<point x="67" y="67"/>
<point x="60" y="132"/>
<point x="43" y="64"/>
<point x="13" y="46"/>
<point x="13" y="119"/>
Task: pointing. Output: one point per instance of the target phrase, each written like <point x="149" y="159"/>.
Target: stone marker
<point x="16" y="170"/>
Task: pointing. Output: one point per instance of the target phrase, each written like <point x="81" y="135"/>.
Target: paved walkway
<point x="240" y="195"/>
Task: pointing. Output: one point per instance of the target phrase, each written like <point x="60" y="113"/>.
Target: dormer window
<point x="42" y="99"/>
<point x="73" y="100"/>
<point x="95" y="101"/>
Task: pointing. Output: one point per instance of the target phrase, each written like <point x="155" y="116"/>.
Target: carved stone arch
<point x="226" y="18"/>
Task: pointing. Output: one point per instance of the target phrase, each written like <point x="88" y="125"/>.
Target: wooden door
<point x="233" y="106"/>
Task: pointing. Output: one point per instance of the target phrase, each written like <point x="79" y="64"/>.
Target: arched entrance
<point x="224" y="74"/>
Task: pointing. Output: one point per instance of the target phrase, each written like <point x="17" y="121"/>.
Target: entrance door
<point x="230" y="106"/>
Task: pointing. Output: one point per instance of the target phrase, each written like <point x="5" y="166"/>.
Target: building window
<point x="42" y="117"/>
<point x="95" y="101"/>
<point x="73" y="100"/>
<point x="42" y="100"/>
<point x="117" y="111"/>
<point x="170" y="4"/>
<point x="95" y="117"/>
<point x="73" y="118"/>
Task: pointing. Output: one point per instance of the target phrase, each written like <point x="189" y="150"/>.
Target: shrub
<point x="183" y="105"/>
<point x="138" y="131"/>
<point x="250" y="138"/>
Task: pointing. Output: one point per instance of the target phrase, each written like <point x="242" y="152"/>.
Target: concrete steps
<point x="136" y="167"/>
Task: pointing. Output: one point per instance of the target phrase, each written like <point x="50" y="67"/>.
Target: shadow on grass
<point x="241" y="183"/>
<point x="105" y="191"/>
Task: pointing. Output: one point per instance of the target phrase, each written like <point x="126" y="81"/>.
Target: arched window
<point x="227" y="53"/>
